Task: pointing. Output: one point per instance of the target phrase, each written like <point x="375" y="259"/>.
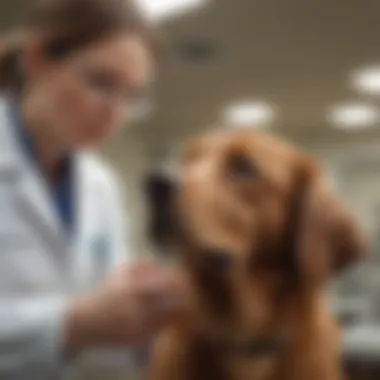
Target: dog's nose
<point x="160" y="190"/>
<point x="160" y="187"/>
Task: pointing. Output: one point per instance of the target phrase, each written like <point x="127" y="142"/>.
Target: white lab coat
<point x="41" y="267"/>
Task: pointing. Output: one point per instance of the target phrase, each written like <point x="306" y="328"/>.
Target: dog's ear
<point x="328" y="237"/>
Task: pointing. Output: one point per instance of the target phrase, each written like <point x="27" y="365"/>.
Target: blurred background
<point x="306" y="70"/>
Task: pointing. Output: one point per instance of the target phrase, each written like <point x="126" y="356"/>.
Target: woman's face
<point x="87" y="97"/>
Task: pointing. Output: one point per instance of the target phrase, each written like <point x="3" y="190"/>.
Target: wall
<point x="129" y="156"/>
<point x="356" y="169"/>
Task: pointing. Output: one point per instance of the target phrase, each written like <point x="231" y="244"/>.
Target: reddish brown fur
<point x="247" y="219"/>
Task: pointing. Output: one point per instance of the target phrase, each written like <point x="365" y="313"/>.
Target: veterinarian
<point x="70" y="79"/>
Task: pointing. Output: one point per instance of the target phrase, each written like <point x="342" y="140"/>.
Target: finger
<point x="133" y="271"/>
<point x="155" y="282"/>
<point x="144" y="268"/>
<point x="163" y="301"/>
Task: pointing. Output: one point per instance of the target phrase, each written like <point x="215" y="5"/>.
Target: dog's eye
<point x="242" y="168"/>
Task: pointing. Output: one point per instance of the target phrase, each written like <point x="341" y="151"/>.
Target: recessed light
<point x="248" y="114"/>
<point x="367" y="80"/>
<point x="354" y="116"/>
<point x="158" y="10"/>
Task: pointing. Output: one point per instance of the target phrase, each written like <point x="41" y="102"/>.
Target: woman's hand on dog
<point x="132" y="305"/>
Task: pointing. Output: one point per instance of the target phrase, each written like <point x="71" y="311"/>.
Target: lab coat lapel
<point x="87" y="207"/>
<point x="32" y="194"/>
<point x="37" y="205"/>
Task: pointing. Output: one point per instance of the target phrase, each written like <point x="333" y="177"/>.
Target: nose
<point x="160" y="187"/>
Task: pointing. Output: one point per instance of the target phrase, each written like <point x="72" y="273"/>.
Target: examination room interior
<point x="308" y="71"/>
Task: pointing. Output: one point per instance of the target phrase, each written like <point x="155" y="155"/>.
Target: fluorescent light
<point x="162" y="9"/>
<point x="354" y="116"/>
<point x="367" y="80"/>
<point x="248" y="114"/>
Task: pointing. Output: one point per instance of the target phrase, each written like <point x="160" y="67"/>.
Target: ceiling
<point x="295" y="54"/>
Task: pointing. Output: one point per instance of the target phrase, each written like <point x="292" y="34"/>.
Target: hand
<point x="133" y="304"/>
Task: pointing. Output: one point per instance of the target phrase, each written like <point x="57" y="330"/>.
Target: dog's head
<point x="255" y="223"/>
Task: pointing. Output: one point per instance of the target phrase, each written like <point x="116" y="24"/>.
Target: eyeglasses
<point x="103" y="84"/>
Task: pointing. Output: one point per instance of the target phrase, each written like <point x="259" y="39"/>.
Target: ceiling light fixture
<point x="158" y="10"/>
<point x="248" y="114"/>
<point x="367" y="80"/>
<point x="354" y="116"/>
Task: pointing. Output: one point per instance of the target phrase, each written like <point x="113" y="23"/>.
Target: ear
<point x="329" y="238"/>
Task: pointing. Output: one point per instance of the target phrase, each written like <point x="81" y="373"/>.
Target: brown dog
<point x="259" y="233"/>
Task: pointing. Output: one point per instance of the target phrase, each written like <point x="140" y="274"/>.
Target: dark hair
<point x="68" y="25"/>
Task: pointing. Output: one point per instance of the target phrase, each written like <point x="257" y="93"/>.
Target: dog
<point x="259" y="232"/>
